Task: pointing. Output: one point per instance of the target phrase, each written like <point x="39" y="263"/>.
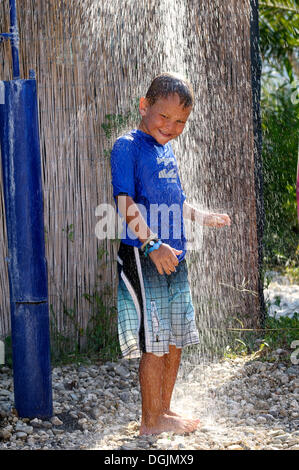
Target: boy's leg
<point x="151" y="378"/>
<point x="171" y="367"/>
<point x="154" y="419"/>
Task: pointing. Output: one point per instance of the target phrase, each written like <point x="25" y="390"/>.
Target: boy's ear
<point x="143" y="106"/>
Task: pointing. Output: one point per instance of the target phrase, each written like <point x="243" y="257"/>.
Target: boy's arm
<point x="205" y="218"/>
<point x="165" y="258"/>
<point x="133" y="217"/>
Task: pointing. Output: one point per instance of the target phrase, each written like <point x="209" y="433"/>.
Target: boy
<point x="155" y="311"/>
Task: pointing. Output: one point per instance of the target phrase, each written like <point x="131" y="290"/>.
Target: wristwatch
<point x="152" y="242"/>
<point x="151" y="246"/>
<point x="148" y="242"/>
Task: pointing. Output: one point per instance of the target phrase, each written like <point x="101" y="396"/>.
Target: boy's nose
<point x="170" y="127"/>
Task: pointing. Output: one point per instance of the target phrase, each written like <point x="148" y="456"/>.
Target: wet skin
<point x="165" y="119"/>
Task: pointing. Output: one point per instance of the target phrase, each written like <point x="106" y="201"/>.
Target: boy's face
<point x="165" y="119"/>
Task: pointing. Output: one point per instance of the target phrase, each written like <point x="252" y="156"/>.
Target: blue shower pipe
<point x="13" y="35"/>
<point x="27" y="266"/>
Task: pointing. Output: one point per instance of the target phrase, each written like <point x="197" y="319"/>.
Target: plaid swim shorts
<point x="154" y="310"/>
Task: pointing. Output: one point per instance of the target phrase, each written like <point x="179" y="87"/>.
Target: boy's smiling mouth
<point x="164" y="133"/>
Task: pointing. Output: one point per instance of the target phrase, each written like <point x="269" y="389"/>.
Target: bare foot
<point x="173" y="413"/>
<point x="166" y="423"/>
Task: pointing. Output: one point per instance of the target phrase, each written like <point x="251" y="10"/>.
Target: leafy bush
<point x="280" y="148"/>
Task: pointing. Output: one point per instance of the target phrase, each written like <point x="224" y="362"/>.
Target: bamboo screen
<point x="95" y="58"/>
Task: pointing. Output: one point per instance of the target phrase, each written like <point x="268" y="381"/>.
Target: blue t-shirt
<point x="148" y="172"/>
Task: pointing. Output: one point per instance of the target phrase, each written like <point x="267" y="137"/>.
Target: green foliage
<point x="64" y="339"/>
<point x="116" y="122"/>
<point x="279" y="24"/>
<point x="69" y="230"/>
<point x="292" y="271"/>
<point x="99" y="339"/>
<point x="278" y="333"/>
<point x="101" y="332"/>
<point x="281" y="332"/>
<point x="280" y="150"/>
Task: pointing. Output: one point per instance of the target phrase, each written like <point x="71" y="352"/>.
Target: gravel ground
<point x="243" y="404"/>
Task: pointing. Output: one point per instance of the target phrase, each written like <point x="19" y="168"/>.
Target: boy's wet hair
<point x="167" y="84"/>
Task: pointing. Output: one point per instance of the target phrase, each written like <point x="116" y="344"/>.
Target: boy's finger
<point x="159" y="268"/>
<point x="170" y="266"/>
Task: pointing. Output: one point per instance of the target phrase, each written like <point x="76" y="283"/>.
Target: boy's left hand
<point x="217" y="220"/>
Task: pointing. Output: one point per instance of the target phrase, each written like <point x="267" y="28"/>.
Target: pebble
<point x="56" y="421"/>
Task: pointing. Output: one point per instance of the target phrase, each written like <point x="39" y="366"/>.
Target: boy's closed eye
<point x="166" y="117"/>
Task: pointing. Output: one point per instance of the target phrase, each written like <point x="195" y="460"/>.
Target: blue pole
<point x="27" y="267"/>
<point x="14" y="31"/>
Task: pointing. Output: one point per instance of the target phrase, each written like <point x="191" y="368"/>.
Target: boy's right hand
<point x="165" y="258"/>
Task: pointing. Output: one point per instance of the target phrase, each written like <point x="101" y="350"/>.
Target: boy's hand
<point x="165" y="258"/>
<point x="217" y="220"/>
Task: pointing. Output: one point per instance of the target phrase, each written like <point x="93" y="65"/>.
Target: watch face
<point x="151" y="243"/>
